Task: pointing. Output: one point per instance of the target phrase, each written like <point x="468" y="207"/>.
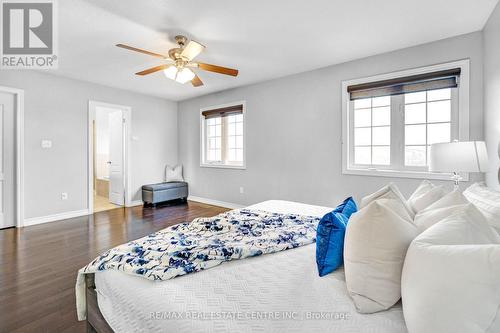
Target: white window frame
<point x="463" y="122"/>
<point x="203" y="139"/>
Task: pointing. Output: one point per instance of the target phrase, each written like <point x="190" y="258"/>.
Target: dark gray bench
<point x="156" y="193"/>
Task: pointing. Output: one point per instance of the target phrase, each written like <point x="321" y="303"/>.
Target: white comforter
<point x="274" y="292"/>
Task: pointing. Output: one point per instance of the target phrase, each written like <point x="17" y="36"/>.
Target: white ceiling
<point x="264" y="39"/>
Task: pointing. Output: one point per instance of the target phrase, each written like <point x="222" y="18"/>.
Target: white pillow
<point x="425" y="195"/>
<point x="375" y="245"/>
<point x="424" y="187"/>
<point x="439" y="210"/>
<point x="451" y="277"/>
<point x="174" y="174"/>
<point x="390" y="191"/>
<point x="487" y="201"/>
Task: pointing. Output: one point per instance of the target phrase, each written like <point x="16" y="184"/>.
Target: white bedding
<point x="238" y="296"/>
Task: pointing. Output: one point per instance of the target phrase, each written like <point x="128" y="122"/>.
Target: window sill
<point x="223" y="166"/>
<point x="402" y="174"/>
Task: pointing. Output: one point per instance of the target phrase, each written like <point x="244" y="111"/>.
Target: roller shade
<point x="429" y="81"/>
<point x="223" y="112"/>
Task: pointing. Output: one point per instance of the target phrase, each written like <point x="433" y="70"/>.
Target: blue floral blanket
<point x="201" y="244"/>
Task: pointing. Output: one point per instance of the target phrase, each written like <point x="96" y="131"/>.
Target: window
<point x="223" y="136"/>
<point x="372" y="131"/>
<point x="427" y="117"/>
<point x="391" y="120"/>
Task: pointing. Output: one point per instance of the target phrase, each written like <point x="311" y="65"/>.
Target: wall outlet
<point x="46" y="144"/>
<point x="242" y="190"/>
<point x="64" y="196"/>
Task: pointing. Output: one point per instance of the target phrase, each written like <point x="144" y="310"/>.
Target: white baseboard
<point x="134" y="203"/>
<point x="55" y="217"/>
<point x="215" y="202"/>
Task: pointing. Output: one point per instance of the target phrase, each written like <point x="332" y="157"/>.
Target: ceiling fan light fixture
<point x="170" y="72"/>
<point x="191" y="50"/>
<point x="184" y="75"/>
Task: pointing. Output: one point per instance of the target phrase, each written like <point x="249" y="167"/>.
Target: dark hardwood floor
<point x="38" y="264"/>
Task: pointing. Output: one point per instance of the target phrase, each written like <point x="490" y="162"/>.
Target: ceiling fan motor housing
<point x="181" y="40"/>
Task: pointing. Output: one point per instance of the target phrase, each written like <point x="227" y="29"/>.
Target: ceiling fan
<point x="179" y="63"/>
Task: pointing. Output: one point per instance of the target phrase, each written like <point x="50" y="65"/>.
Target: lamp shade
<point x="469" y="156"/>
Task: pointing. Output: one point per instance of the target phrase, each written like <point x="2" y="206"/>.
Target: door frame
<point x="126" y="112"/>
<point x="19" y="151"/>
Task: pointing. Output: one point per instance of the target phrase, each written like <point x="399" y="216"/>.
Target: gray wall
<point x="56" y="109"/>
<point x="294" y="130"/>
<point x="492" y="96"/>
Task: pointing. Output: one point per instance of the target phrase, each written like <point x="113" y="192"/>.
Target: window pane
<point x="211" y="130"/>
<point x="415" y="97"/>
<point x="381" y="156"/>
<point x="211" y="143"/>
<point x="239" y="141"/>
<point x="217" y="143"/>
<point x="231" y="155"/>
<point x="362" y="136"/>
<point x="239" y="155"/>
<point x="415" y="113"/>
<point x="382" y="136"/>
<point x="415" y="156"/>
<point x="362" y="117"/>
<point x="239" y="118"/>
<point x="239" y="129"/>
<point x="438" y="133"/>
<point x="362" y="155"/>
<point x="231" y="129"/>
<point x="231" y="142"/>
<point x="435" y="95"/>
<point x="214" y="130"/>
<point x="415" y="135"/>
<point x="362" y="103"/>
<point x="212" y="156"/>
<point x="438" y="111"/>
<point x="381" y="116"/>
<point x="381" y="101"/>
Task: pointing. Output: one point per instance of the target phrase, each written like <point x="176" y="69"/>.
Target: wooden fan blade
<point x="152" y="70"/>
<point x="218" y="69"/>
<point x="192" y="50"/>
<point x="196" y="82"/>
<point x="131" y="48"/>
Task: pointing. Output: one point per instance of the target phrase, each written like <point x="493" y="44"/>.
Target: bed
<point x="273" y="292"/>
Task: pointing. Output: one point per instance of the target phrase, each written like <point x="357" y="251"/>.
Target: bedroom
<point x="289" y="136"/>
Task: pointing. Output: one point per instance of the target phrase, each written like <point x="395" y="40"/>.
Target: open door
<point x="116" y="177"/>
<point x="7" y="158"/>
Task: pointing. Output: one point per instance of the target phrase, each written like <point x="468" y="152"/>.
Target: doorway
<point x="108" y="156"/>
<point x="11" y="157"/>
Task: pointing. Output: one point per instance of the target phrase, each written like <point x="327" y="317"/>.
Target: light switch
<point x="46" y="144"/>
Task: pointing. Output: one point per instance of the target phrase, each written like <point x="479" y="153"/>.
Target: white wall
<point x="492" y="96"/>
<point x="56" y="109"/>
<point x="294" y="130"/>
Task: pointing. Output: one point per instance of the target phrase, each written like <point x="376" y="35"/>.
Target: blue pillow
<point x="330" y="237"/>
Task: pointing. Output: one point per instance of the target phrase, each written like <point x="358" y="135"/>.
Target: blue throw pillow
<point x="330" y="237"/>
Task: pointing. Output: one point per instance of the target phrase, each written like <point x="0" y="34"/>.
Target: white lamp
<point x="469" y="156"/>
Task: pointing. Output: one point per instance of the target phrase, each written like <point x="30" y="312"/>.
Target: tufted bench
<point x="155" y="193"/>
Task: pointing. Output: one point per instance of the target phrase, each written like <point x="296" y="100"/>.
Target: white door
<point x="7" y="160"/>
<point x="116" y="179"/>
